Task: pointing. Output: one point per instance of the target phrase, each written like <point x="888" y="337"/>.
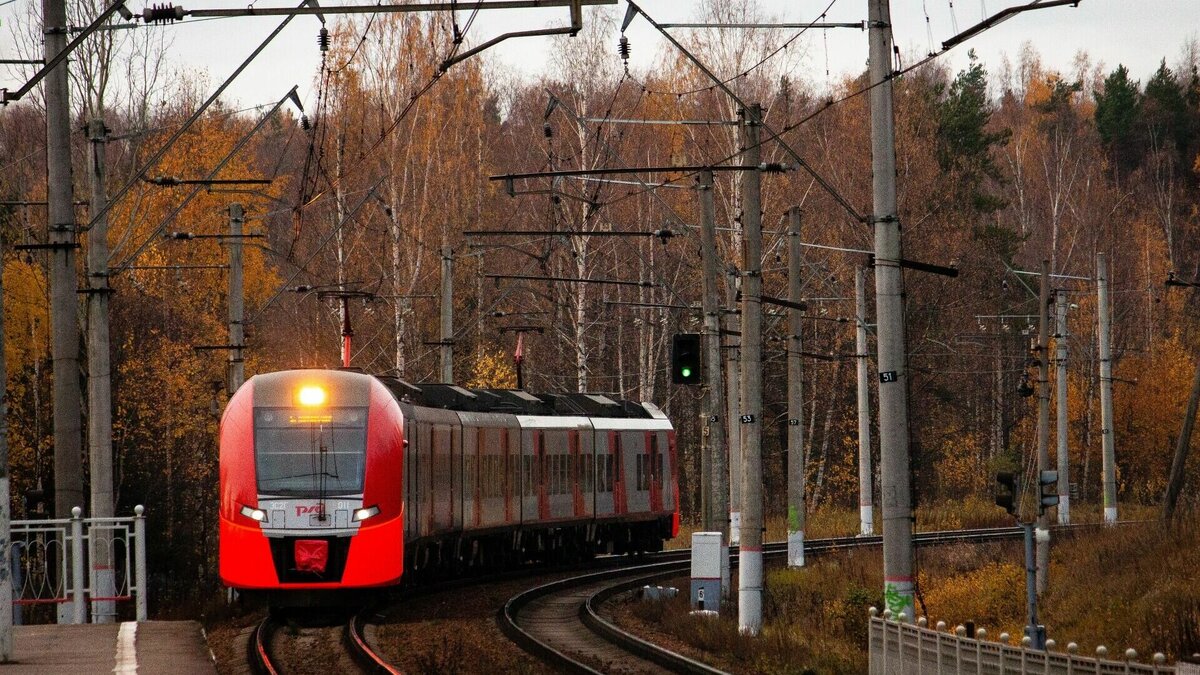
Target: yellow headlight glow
<point x="311" y="395"/>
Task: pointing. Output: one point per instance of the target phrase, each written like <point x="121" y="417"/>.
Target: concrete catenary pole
<point x="68" y="452"/>
<point x="237" y="328"/>
<point x="447" y="306"/>
<point x="99" y="392"/>
<point x="1043" y="422"/>
<point x="750" y="574"/>
<point x="1060" y="389"/>
<point x="733" y="397"/>
<point x="795" y="367"/>
<point x="6" y="589"/>
<point x="68" y="473"/>
<point x="866" y="504"/>
<point x="896" y="484"/>
<point x="1109" y="459"/>
<point x="716" y="517"/>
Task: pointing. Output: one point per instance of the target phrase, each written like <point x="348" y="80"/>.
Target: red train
<point x="337" y="480"/>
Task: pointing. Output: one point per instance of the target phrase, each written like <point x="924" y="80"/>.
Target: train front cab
<point x="310" y="461"/>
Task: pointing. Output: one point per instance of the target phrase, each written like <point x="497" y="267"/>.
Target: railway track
<point x="561" y="623"/>
<point x="359" y="651"/>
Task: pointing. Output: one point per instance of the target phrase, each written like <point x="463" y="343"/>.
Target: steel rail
<point x="509" y="616"/>
<point x="259" y="648"/>
<point x="362" y="651"/>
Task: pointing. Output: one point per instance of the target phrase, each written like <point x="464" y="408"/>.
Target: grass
<point x="1131" y="586"/>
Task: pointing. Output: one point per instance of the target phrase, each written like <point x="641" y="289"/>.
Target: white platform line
<point x="126" y="657"/>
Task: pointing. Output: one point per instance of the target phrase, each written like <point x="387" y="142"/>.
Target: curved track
<point x="560" y="622"/>
<point x="263" y="661"/>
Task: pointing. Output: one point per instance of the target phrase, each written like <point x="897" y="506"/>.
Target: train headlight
<point x="311" y="396"/>
<point x="364" y="513"/>
<point x="254" y="514"/>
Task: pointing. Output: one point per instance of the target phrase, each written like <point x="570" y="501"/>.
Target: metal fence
<point x="901" y="648"/>
<point x="71" y="563"/>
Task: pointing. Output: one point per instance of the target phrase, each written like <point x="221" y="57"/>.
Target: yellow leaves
<point x="26" y="316"/>
<point x="493" y="369"/>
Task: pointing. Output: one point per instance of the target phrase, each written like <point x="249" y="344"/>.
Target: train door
<point x="633" y="453"/>
<point x="511" y="449"/>
<point x="472" y="459"/>
<point x="603" y="469"/>
<point x="620" y="484"/>
<point x="540" y="475"/>
<point x="526" y="456"/>
<point x="654" y="471"/>
<point x="579" y="474"/>
<point x="412" y="502"/>
<point x="440" y="485"/>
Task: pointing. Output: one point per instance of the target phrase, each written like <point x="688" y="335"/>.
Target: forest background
<point x="1000" y="165"/>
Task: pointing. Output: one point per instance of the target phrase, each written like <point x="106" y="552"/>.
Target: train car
<point x="333" y="480"/>
<point x="310" y="461"/>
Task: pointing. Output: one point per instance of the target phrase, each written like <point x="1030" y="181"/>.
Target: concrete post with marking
<point x="1060" y="390"/>
<point x="1109" y="460"/>
<point x="795" y="431"/>
<point x="750" y="573"/>
<point x="866" y="505"/>
<point x="896" y="488"/>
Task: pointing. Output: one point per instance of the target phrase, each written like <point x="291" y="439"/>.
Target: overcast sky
<point x="1137" y="33"/>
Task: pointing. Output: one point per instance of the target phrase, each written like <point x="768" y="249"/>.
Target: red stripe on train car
<point x="672" y="455"/>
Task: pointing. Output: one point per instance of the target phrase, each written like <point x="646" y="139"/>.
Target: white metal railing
<point x="49" y="559"/>
<point x="902" y="648"/>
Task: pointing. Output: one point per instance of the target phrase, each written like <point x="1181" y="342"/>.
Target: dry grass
<point x="1131" y="586"/>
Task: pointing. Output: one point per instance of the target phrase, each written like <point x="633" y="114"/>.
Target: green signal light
<point x="686" y="372"/>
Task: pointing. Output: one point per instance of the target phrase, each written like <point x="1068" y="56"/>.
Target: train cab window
<point x="300" y="452"/>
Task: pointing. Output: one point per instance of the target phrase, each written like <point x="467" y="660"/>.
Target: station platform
<point x="174" y="647"/>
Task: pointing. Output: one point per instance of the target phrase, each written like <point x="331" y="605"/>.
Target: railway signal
<point x="1006" y="494"/>
<point x="685" y="358"/>
<point x="1048" y="490"/>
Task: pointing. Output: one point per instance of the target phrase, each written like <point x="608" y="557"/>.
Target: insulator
<point x="305" y="124"/>
<point x="323" y="39"/>
<point x="623" y="48"/>
<point x="162" y="14"/>
<point x="547" y="130"/>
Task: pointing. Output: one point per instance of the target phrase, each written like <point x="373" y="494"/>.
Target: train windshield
<point x="302" y="452"/>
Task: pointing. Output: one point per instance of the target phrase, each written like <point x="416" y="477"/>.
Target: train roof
<point x="515" y="401"/>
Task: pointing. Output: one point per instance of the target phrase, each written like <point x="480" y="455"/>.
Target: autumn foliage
<point x="999" y="167"/>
